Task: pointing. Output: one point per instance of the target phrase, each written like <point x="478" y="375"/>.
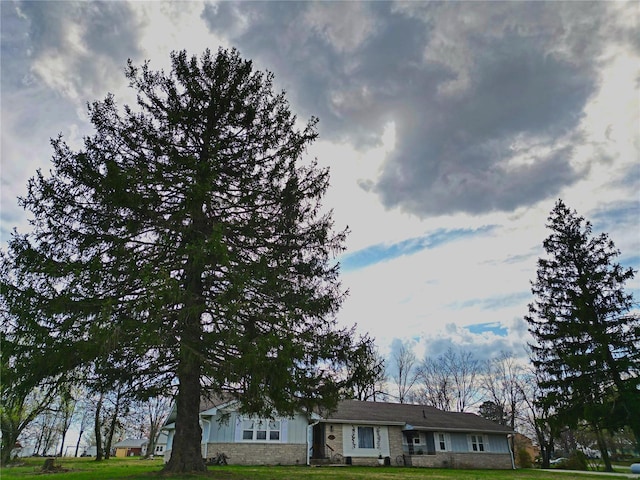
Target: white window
<point x="441" y="442"/>
<point x="476" y="442"/>
<point x="159" y="448"/>
<point x="261" y="430"/>
<point x="365" y="437"/>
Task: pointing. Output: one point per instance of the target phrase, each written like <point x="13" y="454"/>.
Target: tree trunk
<point x="602" y="445"/>
<point x="49" y="465"/>
<point x="151" y="445"/>
<point x="9" y="439"/>
<point x="38" y="444"/>
<point x="546" y="447"/>
<point x="78" y="442"/>
<point x="186" y="454"/>
<point x="64" y="434"/>
<point x="112" y="425"/>
<point x="96" y="429"/>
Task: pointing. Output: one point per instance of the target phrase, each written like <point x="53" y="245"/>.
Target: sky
<point x="450" y="129"/>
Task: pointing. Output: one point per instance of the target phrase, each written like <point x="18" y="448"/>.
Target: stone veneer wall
<point x="395" y="442"/>
<point x="333" y="446"/>
<point x="462" y="460"/>
<point x="255" y="453"/>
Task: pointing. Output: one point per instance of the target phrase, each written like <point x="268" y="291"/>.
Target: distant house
<point x="525" y="451"/>
<point x="358" y="433"/>
<point x="161" y="444"/>
<point x="131" y="447"/>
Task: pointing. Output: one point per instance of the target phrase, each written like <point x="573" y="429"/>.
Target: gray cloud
<point x="55" y="57"/>
<point x="482" y="347"/>
<point x="486" y="98"/>
<point x="80" y="49"/>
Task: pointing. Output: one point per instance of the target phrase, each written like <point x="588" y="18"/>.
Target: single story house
<point x="131" y="447"/>
<point x="412" y="435"/>
<point x="358" y="433"/>
<point x="161" y="444"/>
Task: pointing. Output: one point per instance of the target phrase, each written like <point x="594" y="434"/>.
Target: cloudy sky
<point x="450" y="129"/>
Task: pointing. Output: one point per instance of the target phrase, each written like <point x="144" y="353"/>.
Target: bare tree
<point x="119" y="401"/>
<point x="502" y="384"/>
<point x="97" y="426"/>
<point x="450" y="381"/>
<point x="465" y="375"/>
<point x="537" y="416"/>
<point x="47" y="423"/>
<point x="156" y="411"/>
<point x="435" y="384"/>
<point x="404" y="374"/>
<point x="66" y="409"/>
<point x="83" y="411"/>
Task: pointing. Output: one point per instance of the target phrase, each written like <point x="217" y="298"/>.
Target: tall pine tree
<point x="186" y="241"/>
<point x="586" y="337"/>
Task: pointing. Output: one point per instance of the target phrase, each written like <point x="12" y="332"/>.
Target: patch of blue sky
<point x="636" y="298"/>
<point x="493" y="303"/>
<point x="632" y="261"/>
<point x="606" y="220"/>
<point x="383" y="252"/>
<point x="492" y="327"/>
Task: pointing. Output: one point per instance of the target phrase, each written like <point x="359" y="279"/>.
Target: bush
<point x="576" y="461"/>
<point x="523" y="458"/>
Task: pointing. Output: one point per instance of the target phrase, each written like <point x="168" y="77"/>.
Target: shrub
<point x="523" y="458"/>
<point x="576" y="461"/>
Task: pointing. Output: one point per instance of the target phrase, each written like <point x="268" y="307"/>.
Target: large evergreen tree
<point x="186" y="241"/>
<point x="587" y="340"/>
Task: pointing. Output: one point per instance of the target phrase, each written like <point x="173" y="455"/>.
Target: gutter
<point x="206" y="440"/>
<point x="509" y="442"/>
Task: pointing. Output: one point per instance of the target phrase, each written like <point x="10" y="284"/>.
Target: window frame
<point x="477" y="443"/>
<point x="373" y="437"/>
<point x="262" y="430"/>
<point x="437" y="442"/>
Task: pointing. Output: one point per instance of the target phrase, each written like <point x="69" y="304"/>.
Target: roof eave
<point x="363" y="422"/>
<point x="423" y="428"/>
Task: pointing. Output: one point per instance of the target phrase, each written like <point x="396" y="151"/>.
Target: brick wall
<point x="260" y="453"/>
<point x="462" y="460"/>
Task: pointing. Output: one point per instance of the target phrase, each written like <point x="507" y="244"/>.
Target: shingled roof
<point x="207" y="402"/>
<point x="418" y="417"/>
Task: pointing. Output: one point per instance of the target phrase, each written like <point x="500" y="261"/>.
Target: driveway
<point x="601" y="474"/>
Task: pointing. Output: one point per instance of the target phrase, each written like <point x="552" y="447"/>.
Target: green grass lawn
<point x="136" y="469"/>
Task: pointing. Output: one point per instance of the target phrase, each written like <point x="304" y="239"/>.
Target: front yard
<point x="137" y="469"/>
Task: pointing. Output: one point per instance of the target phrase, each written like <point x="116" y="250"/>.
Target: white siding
<point x="292" y="430"/>
<point x="498" y="443"/>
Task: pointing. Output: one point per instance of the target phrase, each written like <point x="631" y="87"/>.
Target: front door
<point x="318" y="441"/>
